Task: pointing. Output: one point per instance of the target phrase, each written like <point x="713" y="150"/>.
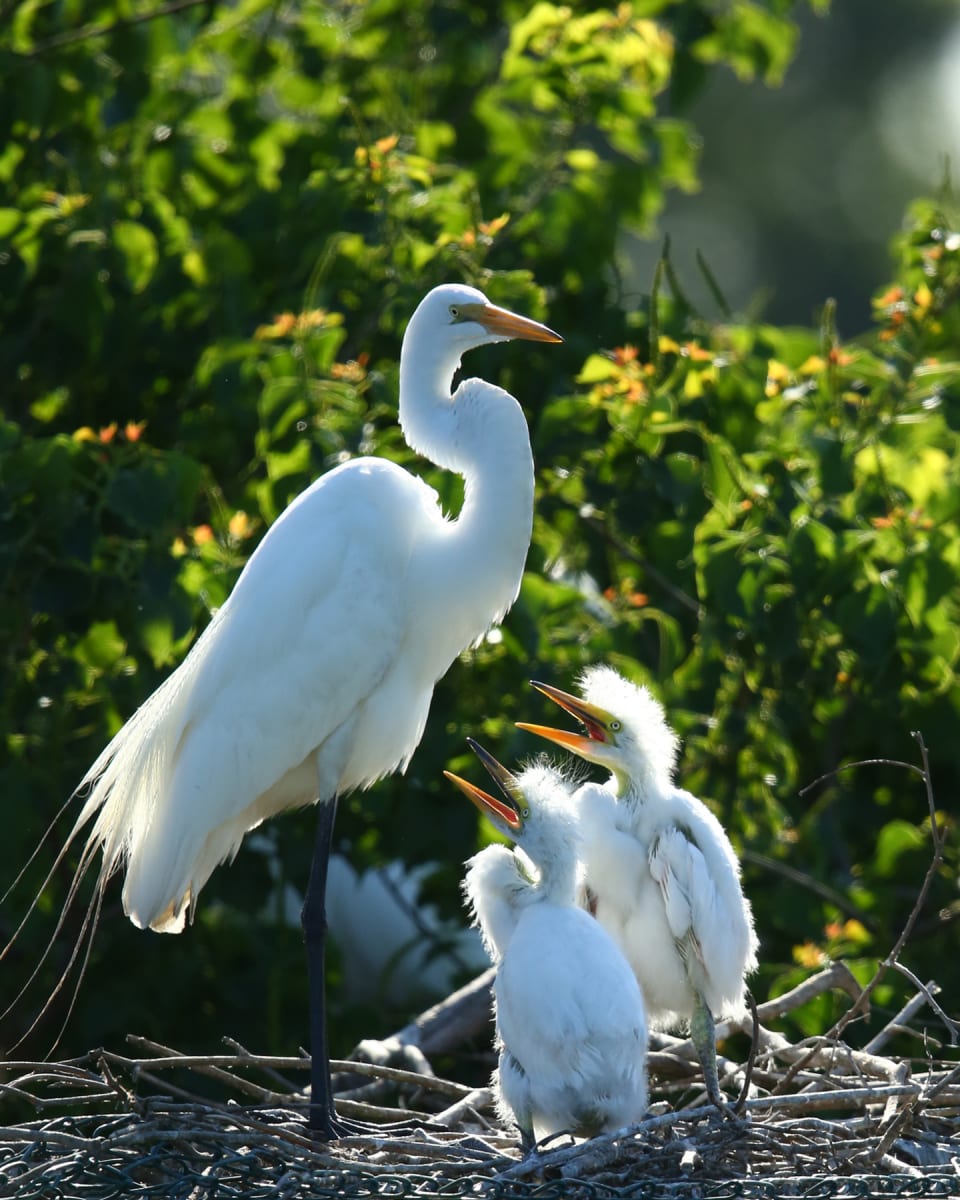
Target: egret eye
<point x="524" y="812"/>
<point x="614" y="726"/>
<point x="454" y="312"/>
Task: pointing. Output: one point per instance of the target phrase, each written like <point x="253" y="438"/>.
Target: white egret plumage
<point x="315" y="677"/>
<point x="661" y="873"/>
<point x="570" y="1020"/>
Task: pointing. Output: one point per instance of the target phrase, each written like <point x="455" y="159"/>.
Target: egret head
<point x="466" y="318"/>
<point x="536" y="811"/>
<point x="623" y="729"/>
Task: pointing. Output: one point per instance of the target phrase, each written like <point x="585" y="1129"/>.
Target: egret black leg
<point x="324" y="1122"/>
<point x="313" y="917"/>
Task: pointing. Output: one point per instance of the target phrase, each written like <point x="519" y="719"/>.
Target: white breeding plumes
<point x="660" y="872"/>
<point x="315" y="677"/>
<point x="571" y="1028"/>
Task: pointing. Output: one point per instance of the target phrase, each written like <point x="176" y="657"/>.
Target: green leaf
<point x="598" y="367"/>
<point x="9" y="220"/>
<point x="752" y="40"/>
<point x="49" y="407"/>
<point x="139" y="248"/>
<point x="101" y="646"/>
<point x="896" y="838"/>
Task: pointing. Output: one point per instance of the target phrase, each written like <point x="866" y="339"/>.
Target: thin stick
<point x="468" y="1106"/>
<point x="909" y="1010"/>
<point x="865" y="762"/>
<point x="831" y="895"/>
<point x="938" y="836"/>
<point x="446" y="1086"/>
<point x="104" y="30"/>
<point x="952" y="1025"/>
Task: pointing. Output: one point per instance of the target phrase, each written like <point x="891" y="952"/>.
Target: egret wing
<point x="241" y="729"/>
<point x="720" y="913"/>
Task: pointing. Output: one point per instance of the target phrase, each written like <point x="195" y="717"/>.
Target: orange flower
<point x="313" y="318"/>
<point x="490" y="229"/>
<point x="283" y="324"/>
<point x="809" y="955"/>
<point x="350" y="372"/>
<point x="240" y="525"/>
<point x="891" y="296"/>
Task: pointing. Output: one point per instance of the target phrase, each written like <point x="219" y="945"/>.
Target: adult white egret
<point x="315" y="677"/>
<point x="661" y="874"/>
<point x="571" y="1028"/>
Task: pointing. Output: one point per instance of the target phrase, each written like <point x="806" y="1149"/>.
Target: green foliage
<point x="804" y="491"/>
<point x="213" y="227"/>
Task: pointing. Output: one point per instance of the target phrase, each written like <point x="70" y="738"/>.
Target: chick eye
<point x="614" y="726"/>
<point x="454" y="312"/>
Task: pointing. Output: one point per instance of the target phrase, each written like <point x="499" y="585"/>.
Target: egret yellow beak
<point x="503" y="323"/>
<point x="598" y="724"/>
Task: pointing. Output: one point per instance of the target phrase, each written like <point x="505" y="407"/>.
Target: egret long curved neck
<point x="426" y="403"/>
<point x="480" y="433"/>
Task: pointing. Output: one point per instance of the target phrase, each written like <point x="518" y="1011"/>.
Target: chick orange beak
<point x="594" y="720"/>
<point x="489" y="805"/>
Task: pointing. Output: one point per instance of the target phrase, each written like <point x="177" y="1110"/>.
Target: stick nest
<point x="159" y="1123"/>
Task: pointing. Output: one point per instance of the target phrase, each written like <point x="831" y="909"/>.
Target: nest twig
<point x="143" y="1117"/>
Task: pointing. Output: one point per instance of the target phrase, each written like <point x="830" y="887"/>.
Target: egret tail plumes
<point x="316" y="675"/>
<point x="125" y="789"/>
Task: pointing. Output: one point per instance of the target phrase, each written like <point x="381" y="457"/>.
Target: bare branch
<point x="86" y="32"/>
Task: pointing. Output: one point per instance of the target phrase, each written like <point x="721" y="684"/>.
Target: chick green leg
<point x="704" y="1039"/>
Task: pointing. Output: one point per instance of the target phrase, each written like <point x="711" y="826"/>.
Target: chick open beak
<point x="508" y="812"/>
<point x="595" y="721"/>
<point x="503" y="323"/>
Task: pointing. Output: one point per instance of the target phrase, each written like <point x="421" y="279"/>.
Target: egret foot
<point x="337" y="1127"/>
